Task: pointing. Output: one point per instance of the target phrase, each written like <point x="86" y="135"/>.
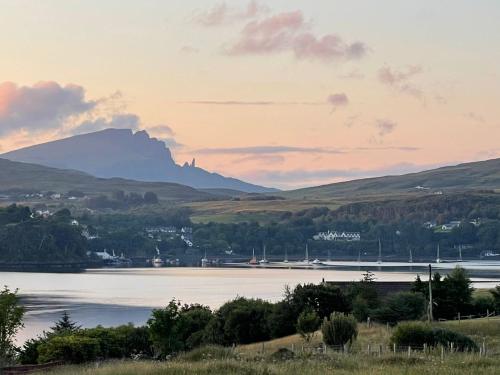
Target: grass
<point x="252" y="359"/>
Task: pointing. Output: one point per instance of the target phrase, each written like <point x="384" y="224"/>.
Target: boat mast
<point x="307" y="253"/>
<point x="459" y="253"/>
<point x="379" y="251"/>
<point x="438" y="260"/>
<point x="286" y="255"/>
<point x="411" y="257"/>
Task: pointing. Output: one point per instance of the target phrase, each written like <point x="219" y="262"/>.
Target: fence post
<point x="451" y="347"/>
<point x="409" y="351"/>
<point x="380" y="350"/>
<point x="488" y="314"/>
<point x="263" y="348"/>
<point x="394" y="348"/>
<point x="484" y="348"/>
<point x="442" y="353"/>
<point x="368" y="351"/>
<point x="425" y="348"/>
<point x="345" y="349"/>
<point x="458" y="318"/>
<point x="293" y="347"/>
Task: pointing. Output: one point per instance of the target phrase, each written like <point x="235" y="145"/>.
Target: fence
<point x="28" y="369"/>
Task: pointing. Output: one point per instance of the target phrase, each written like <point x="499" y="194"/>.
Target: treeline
<point x="305" y="309"/>
<point x="120" y="200"/>
<point x="25" y="237"/>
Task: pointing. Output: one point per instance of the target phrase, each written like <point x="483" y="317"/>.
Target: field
<point x="231" y="211"/>
<point x="271" y="358"/>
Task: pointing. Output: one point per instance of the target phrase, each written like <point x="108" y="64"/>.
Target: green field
<point x="263" y="358"/>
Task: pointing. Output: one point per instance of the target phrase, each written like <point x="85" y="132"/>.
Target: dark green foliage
<point x="177" y="328"/>
<point x="11" y="320"/>
<point x="24" y="238"/>
<point x="307" y="324"/>
<point x="29" y="351"/>
<point x="400" y="306"/>
<point x="483" y="304"/>
<point x="65" y="325"/>
<point x="451" y="295"/>
<point x="282" y="320"/>
<point x="496" y="297"/>
<point x="240" y="321"/>
<point x="69" y="348"/>
<point x="322" y="298"/>
<point x="339" y="329"/>
<point x="416" y="334"/>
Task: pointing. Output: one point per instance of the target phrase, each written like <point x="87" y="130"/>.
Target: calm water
<point x="118" y="296"/>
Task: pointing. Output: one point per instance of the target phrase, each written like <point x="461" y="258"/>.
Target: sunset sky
<point x="282" y="93"/>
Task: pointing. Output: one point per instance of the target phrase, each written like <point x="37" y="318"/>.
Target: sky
<point x="284" y="93"/>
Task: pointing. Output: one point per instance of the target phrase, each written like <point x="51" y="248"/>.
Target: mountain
<point x="123" y="153"/>
<point x="462" y="177"/>
<point x="32" y="177"/>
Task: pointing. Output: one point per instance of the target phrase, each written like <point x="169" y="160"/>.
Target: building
<point x="337" y="236"/>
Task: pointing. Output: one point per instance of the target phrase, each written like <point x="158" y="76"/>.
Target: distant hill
<point x="24" y="176"/>
<point x="125" y="154"/>
<point x="467" y="176"/>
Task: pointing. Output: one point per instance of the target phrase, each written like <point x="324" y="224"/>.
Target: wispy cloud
<point x="250" y="103"/>
<point x="288" y="31"/>
<point x="385" y="127"/>
<point x="306" y="177"/>
<point x="337" y="100"/>
<point x="474" y="117"/>
<point x="267" y="150"/>
<point x="401" y="79"/>
<point x="222" y="14"/>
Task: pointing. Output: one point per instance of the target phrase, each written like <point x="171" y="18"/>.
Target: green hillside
<point x="32" y="177"/>
<point x="468" y="176"/>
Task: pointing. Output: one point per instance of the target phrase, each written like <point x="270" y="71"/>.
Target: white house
<point x="337" y="236"/>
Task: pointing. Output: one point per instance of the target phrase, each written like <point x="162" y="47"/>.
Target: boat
<point x="286" y="257"/>
<point x="253" y="261"/>
<point x="438" y="259"/>
<point x="317" y="262"/>
<point x="264" y="259"/>
<point x="157" y="261"/>
<point x="379" y="260"/>
<point x="204" y="260"/>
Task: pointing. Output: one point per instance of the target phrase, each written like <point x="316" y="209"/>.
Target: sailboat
<point x="157" y="261"/>
<point x="264" y="259"/>
<point x="253" y="261"/>
<point x="286" y="256"/>
<point x="204" y="260"/>
<point x="379" y="260"/>
<point x="460" y="253"/>
<point x="438" y="259"/>
<point x="307" y="255"/>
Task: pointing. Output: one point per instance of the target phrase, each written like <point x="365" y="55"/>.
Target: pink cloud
<point x="401" y="79"/>
<point x="289" y="32"/>
<point x="221" y="14"/>
<point x="337" y="100"/>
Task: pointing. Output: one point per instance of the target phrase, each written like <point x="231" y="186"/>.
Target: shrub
<point x="416" y="334"/>
<point x="212" y="352"/>
<point x="68" y="348"/>
<point x="241" y="321"/>
<point x="401" y="306"/>
<point x="340" y="329"/>
<point x="307" y="324"/>
<point x="323" y="298"/>
<point x="483" y="304"/>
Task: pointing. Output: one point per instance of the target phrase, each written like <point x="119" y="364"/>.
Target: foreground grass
<point x="265" y="358"/>
<point x="337" y="364"/>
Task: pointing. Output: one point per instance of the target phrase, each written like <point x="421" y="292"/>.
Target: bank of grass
<point x="262" y="359"/>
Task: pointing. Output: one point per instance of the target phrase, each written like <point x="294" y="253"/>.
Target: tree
<point x="400" y="306"/>
<point x="307" y="324"/>
<point x="496" y="297"/>
<point x="322" y="298"/>
<point x="162" y="329"/>
<point x="65" y="325"/>
<point x="11" y="319"/>
<point x="150" y="198"/>
<point x="339" y="330"/>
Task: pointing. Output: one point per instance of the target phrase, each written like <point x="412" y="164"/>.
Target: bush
<point x="212" y="352"/>
<point x="340" y="329"/>
<point x="241" y="321"/>
<point x="401" y="306"/>
<point x="307" y="324"/>
<point x="69" y="348"/>
<point x="416" y="334"/>
<point x="483" y="304"/>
